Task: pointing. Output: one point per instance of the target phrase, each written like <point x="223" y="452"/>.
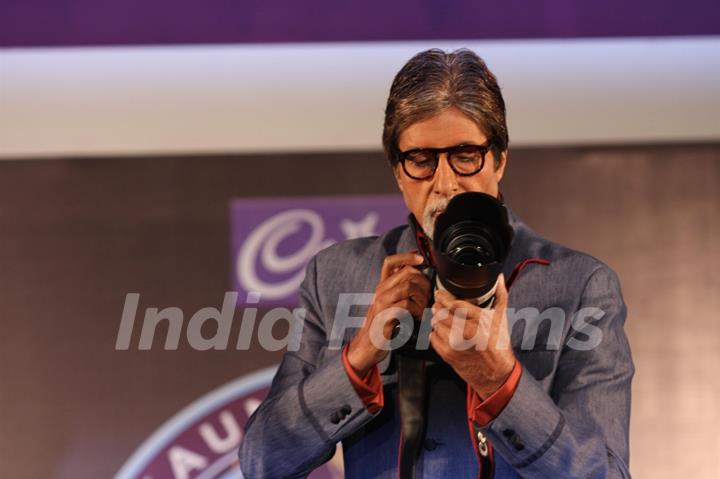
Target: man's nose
<point x="445" y="178"/>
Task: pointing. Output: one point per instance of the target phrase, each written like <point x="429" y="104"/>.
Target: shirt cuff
<point x="482" y="412"/>
<point x="369" y="387"/>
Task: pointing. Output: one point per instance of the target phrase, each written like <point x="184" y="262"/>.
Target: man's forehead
<point x="441" y="139"/>
<point x="447" y="128"/>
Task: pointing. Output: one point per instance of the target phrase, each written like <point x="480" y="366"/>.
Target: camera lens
<point x="470" y="255"/>
<point x="469" y="244"/>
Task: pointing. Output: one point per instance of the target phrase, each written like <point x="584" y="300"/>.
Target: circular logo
<point x="263" y="243"/>
<point x="201" y="441"/>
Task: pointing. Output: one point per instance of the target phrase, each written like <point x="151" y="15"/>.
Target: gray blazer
<point x="568" y="417"/>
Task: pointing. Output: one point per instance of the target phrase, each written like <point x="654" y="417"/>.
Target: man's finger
<point x="406" y="273"/>
<point x="411" y="290"/>
<point x="458" y="307"/>
<point x="444" y="296"/>
<point x="438" y="335"/>
<point x="501" y="296"/>
<point x="439" y="313"/>
<point x="439" y="344"/>
<point x="399" y="260"/>
<point x="442" y="299"/>
<point x="447" y="300"/>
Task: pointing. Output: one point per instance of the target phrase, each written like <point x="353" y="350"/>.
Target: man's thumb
<point x="501" y="294"/>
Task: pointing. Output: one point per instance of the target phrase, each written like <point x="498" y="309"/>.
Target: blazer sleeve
<point x="311" y="405"/>
<point x="580" y="429"/>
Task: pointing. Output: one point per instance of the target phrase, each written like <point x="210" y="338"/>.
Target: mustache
<point x="431" y="209"/>
<point x="439" y="205"/>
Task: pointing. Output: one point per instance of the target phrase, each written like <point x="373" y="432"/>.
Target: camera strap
<point x="411" y="405"/>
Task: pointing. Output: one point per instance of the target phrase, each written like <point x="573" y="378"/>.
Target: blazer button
<point x="517" y="443"/>
<point x="430" y="444"/>
<point x="508" y="433"/>
<point x="335" y="418"/>
<point x="345" y="410"/>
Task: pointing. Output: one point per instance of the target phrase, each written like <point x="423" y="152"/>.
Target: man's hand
<point x="401" y="285"/>
<point x="475" y="342"/>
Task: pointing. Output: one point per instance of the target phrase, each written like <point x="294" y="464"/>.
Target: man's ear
<point x="500" y="168"/>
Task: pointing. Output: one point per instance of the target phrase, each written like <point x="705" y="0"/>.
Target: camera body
<point x="471" y="241"/>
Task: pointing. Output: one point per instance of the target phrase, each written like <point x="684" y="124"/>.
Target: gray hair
<point x="433" y="81"/>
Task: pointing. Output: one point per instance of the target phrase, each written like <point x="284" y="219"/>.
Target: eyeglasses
<point x="464" y="160"/>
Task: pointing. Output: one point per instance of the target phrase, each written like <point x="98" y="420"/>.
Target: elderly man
<point x="495" y="408"/>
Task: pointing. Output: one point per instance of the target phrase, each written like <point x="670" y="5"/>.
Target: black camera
<point x="469" y="246"/>
<point x="471" y="241"/>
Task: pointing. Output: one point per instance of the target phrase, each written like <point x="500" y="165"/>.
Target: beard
<point x="431" y="209"/>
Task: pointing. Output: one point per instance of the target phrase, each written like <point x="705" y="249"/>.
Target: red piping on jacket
<point x="520" y="266"/>
<point x="473" y="440"/>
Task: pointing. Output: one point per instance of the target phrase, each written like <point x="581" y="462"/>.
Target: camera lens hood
<point x="486" y="219"/>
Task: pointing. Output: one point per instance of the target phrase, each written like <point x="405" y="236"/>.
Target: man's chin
<point x="429" y="224"/>
<point x="428" y="227"/>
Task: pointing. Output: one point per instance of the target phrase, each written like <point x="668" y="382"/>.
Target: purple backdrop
<point x="135" y="22"/>
<point x="273" y="239"/>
